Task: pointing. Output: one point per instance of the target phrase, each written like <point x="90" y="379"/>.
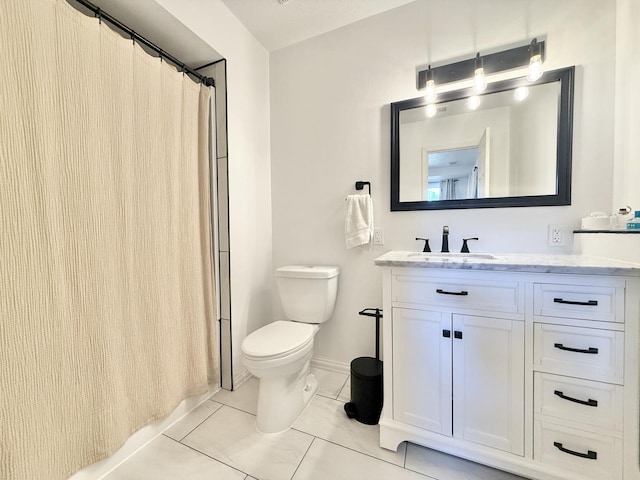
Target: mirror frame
<point x="563" y="147"/>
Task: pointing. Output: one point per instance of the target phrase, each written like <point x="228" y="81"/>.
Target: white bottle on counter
<point x="619" y="220"/>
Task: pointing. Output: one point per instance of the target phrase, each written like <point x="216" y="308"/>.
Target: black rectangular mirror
<point x="511" y="150"/>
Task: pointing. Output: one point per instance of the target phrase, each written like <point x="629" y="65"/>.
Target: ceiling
<point x="277" y="25"/>
<point x="150" y="20"/>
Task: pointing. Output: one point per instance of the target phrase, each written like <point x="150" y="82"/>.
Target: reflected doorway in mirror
<point x="456" y="172"/>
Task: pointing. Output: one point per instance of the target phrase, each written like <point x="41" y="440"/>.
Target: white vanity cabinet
<point x="464" y="376"/>
<point x="533" y="372"/>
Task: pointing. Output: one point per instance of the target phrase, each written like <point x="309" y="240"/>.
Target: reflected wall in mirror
<point x="509" y="151"/>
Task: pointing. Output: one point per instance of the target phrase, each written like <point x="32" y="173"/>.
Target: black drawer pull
<point x="457" y="334"/>
<point x="444" y="292"/>
<point x="446" y="333"/>
<point x="589" y="303"/>
<point x="591" y="455"/>
<point x="588" y="403"/>
<point x="591" y="350"/>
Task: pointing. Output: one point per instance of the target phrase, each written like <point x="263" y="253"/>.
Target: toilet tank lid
<point x="308" y="271"/>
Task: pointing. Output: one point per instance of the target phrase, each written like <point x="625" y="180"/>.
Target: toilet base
<point x="282" y="400"/>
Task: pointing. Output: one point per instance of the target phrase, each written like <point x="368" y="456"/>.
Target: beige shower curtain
<point x="106" y="288"/>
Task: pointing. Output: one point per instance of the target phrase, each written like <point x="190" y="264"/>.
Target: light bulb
<point x="430" y="92"/>
<point x="535" y="68"/>
<point x="473" y="102"/>
<point x="431" y="110"/>
<point x="521" y="93"/>
<point x="479" y="80"/>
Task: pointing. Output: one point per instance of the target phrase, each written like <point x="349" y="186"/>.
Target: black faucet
<point x="465" y="247"/>
<point x="445" y="239"/>
<point x="426" y="244"/>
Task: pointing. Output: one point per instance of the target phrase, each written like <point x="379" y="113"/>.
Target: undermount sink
<point x="450" y="256"/>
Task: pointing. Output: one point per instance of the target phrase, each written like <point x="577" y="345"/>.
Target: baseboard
<point x="316" y="362"/>
<point x="142" y="437"/>
<point x="331" y="365"/>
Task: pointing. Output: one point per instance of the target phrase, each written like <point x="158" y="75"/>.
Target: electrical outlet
<point x="557" y="235"/>
<point x="378" y="236"/>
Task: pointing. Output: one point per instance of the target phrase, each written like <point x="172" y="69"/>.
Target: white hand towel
<point x="358" y="225"/>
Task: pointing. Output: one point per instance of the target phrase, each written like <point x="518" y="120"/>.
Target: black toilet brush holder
<point x="366" y="381"/>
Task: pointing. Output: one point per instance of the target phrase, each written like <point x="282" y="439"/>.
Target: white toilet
<point x="279" y="353"/>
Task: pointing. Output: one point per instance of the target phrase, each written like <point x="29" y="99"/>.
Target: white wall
<point x="249" y="161"/>
<point x="627" y="140"/>
<point x="330" y="126"/>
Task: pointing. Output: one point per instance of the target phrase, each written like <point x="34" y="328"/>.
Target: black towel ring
<point x="360" y="185"/>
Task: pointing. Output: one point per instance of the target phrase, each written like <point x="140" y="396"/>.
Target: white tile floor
<point x="218" y="441"/>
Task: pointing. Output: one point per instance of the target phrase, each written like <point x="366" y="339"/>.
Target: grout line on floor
<point x="314" y="437"/>
<point x="330" y="441"/>
<point x="352" y="449"/>
<point x="208" y="417"/>
<point x="235" y="408"/>
<point x="364" y="453"/>
<point x="343" y="385"/>
<point x="423" y="474"/>
<point x="328" y="396"/>
<point x="208" y="456"/>
<point x="302" y="459"/>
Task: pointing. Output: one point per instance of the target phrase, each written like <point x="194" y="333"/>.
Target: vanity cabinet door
<point x="422" y="369"/>
<point x="488" y="379"/>
<point x="460" y="375"/>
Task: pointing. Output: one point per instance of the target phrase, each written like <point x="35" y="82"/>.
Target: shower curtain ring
<point x="99" y="15"/>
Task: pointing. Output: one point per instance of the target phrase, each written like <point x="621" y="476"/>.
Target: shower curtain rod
<point x="101" y="15"/>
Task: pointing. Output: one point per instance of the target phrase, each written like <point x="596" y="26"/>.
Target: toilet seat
<point x="278" y="339"/>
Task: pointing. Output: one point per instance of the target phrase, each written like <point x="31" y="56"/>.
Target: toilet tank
<point x="308" y="292"/>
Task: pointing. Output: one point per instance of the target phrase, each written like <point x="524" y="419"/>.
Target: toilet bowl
<point x="283" y="369"/>
<point x="279" y="353"/>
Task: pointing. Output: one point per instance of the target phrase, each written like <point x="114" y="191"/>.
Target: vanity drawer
<point x="579" y="352"/>
<point x="477" y="294"/>
<point x="589" y="454"/>
<point x="591" y="403"/>
<point x="587" y="302"/>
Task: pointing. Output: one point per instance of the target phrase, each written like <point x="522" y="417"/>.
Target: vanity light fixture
<point x="531" y="54"/>
<point x="430" y="89"/>
<point x="521" y="93"/>
<point x="431" y="110"/>
<point x="479" y="78"/>
<point x="535" y="62"/>
<point x="473" y="102"/>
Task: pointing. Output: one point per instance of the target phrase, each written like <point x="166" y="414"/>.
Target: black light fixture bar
<point x="493" y="63"/>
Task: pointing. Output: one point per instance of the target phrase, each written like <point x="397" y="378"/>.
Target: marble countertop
<point x="511" y="262"/>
